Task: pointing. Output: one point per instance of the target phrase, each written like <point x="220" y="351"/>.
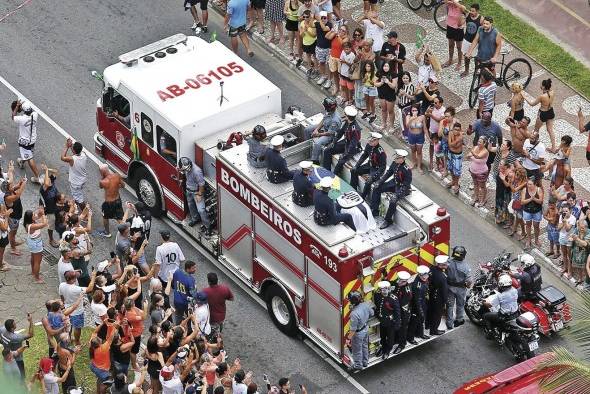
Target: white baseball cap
<point x="305" y="164"/>
<point x="403" y="275"/>
<point x="277" y="140"/>
<point x="350" y="110"/>
<point x="441" y="259"/>
<point x="326" y="182"/>
<point x="323" y="13"/>
<point x="102" y="265"/>
<point x="26" y="106"/>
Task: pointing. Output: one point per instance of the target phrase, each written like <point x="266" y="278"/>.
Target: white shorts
<point x="77" y="193"/>
<point x="465" y="47"/>
<point x="25" y="154"/>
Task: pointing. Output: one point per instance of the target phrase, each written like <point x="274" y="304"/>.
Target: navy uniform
<point x="256" y="149"/>
<point x="359" y="330"/>
<point x="303" y="187"/>
<point x="437" y="294"/>
<point x="458" y="279"/>
<point x="506" y="302"/>
<point x="388" y="312"/>
<point x="325" y="212"/>
<point x="419" y="305"/>
<point x="277" y="170"/>
<point x="349" y="146"/>
<point x="403" y="293"/>
<point x="375" y="167"/>
<point x="530" y="278"/>
<point x="400" y="185"/>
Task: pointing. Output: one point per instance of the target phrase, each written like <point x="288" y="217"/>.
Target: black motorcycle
<point x="519" y="335"/>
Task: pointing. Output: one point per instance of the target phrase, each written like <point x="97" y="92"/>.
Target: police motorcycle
<point x="518" y="334"/>
<point x="548" y="304"/>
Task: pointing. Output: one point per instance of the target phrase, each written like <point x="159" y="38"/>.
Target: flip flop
<point x="549" y="254"/>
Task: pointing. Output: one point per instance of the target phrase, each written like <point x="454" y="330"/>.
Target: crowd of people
<point x="152" y="319"/>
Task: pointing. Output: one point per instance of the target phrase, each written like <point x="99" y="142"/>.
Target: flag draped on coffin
<point x="339" y="186"/>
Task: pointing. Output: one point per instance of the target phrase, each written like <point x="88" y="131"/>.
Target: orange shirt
<point x="336" y="47"/>
<point x="136" y="324"/>
<point x="102" y="357"/>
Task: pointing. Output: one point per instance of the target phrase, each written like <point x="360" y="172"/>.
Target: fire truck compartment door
<point x="324" y="316"/>
<point x="279" y="257"/>
<point x="236" y="227"/>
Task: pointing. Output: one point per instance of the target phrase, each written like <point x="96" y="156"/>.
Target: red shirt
<point x="216" y="297"/>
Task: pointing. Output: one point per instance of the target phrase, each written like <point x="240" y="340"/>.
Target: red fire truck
<point x="183" y="97"/>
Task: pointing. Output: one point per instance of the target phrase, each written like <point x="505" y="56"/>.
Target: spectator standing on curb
<point x="292" y="27"/>
<point x="455" y="33"/>
<point x="3" y="235"/>
<point x="517" y="183"/>
<point x="77" y="172"/>
<point x="346" y="60"/>
<point x="322" y="48"/>
<point x="488" y="128"/>
<point x="566" y="227"/>
<point x="519" y="133"/>
<point x="500" y="169"/>
<point x="112" y="207"/>
<point x="256" y="16"/>
<point x="393" y="51"/>
<point x="364" y="55"/>
<point x="455" y="160"/>
<point x="479" y="171"/>
<point x="184" y="286"/>
<point x="387" y="84"/>
<point x="217" y="295"/>
<point x="26" y="120"/>
<point x="14" y="204"/>
<point x="534" y="153"/>
<point x="486" y="94"/>
<point x="192" y="5"/>
<point x="532" y="206"/>
<point x="473" y="21"/>
<point x="374" y="31"/>
<point x="12" y="340"/>
<point x="580" y="249"/>
<point x="33" y="222"/>
<point x="274" y="14"/>
<point x="49" y="194"/>
<point x="552" y="217"/>
<point x="435" y="114"/>
<point x="584" y="128"/>
<point x="308" y="34"/>
<point x="168" y="257"/>
<point x="337" y="39"/>
<point x="235" y="24"/>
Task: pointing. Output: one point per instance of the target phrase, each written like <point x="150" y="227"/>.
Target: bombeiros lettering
<point x="265" y="210"/>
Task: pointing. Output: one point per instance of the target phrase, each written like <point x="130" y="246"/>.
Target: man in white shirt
<point x="26" y="120"/>
<point x="534" y="155"/>
<point x="77" y="174"/>
<point x="170" y="381"/>
<point x="425" y="69"/>
<point x="64" y="264"/>
<point x="98" y="308"/>
<point x="69" y="293"/>
<point x="202" y="318"/>
<point x="374" y="30"/>
<point x="168" y="257"/>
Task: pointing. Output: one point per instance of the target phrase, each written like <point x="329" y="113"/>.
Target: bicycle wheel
<point x="414" y="4"/>
<point x="428" y="4"/>
<point x="440" y="15"/>
<point x="517" y="70"/>
<point x="473" y="89"/>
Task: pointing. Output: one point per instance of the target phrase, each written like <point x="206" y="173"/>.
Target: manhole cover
<point x="49" y="257"/>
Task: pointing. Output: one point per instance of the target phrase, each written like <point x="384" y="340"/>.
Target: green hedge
<point x="554" y="58"/>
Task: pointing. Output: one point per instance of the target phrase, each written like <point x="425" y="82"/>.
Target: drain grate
<point x="50" y="258"/>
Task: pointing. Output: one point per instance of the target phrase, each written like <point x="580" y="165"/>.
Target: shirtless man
<point x="66" y="354"/>
<point x="112" y="207"/>
<point x="519" y="132"/>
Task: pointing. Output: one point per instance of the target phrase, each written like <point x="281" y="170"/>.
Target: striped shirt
<point x="487" y="94"/>
<point x="510" y="159"/>
<point x="404" y="101"/>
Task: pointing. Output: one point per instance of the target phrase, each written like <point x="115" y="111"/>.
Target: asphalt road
<point x="48" y="52"/>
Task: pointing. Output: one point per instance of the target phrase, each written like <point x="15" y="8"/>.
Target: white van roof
<point x="170" y="84"/>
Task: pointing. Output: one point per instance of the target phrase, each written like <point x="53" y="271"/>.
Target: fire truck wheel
<point x="280" y="310"/>
<point x="147" y="191"/>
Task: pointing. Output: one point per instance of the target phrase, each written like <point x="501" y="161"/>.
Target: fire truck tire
<point x="280" y="310"/>
<point x="147" y="191"/>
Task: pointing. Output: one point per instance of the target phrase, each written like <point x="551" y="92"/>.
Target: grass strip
<point x="549" y="54"/>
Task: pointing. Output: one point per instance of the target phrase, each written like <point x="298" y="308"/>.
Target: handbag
<point x="516" y="205"/>
<point x="355" y="71"/>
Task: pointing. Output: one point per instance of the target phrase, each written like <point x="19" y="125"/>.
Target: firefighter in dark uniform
<point x="277" y="170"/>
<point x="375" y="167"/>
<point x="530" y="278"/>
<point x="325" y="212"/>
<point x="438" y="294"/>
<point x="256" y="149"/>
<point x="349" y="146"/>
<point x="403" y="293"/>
<point x="303" y="187"/>
<point x="387" y="311"/>
<point x="400" y="185"/>
<point x="419" y="305"/>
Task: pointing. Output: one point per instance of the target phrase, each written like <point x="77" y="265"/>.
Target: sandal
<point x="510" y="233"/>
<point x="550" y="253"/>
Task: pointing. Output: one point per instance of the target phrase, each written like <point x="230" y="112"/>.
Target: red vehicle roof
<point x="519" y="379"/>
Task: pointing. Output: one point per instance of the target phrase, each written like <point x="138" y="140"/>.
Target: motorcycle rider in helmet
<point x="256" y="149"/>
<point x="358" y="336"/>
<point x="530" y="278"/>
<point x="323" y="132"/>
<point x="505" y="300"/>
<point x="458" y="279"/>
<point x="194" y="189"/>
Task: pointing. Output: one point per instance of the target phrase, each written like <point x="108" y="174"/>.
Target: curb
<point x="485" y="213"/>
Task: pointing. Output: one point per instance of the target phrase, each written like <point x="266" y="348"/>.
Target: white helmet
<point x="504" y="281"/>
<point x="527" y="260"/>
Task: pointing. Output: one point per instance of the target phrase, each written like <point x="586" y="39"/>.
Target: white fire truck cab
<point x="183" y="97"/>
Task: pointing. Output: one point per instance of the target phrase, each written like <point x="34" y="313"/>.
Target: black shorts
<point x="291" y="25"/>
<point x="372" y="1"/>
<point x="455" y="34"/>
<point x="258" y="4"/>
<point x="519" y="115"/>
<point x="335" y="3"/>
<point x="236" y="31"/>
<point x="587" y="155"/>
<point x="309" y="49"/>
<point x="204" y="4"/>
<point x="546" y="115"/>
<point x="190" y="3"/>
<point x="112" y="209"/>
<point x="4" y="241"/>
<point x="136" y="345"/>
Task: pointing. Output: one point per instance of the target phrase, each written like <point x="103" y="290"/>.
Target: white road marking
<point x="186" y="237"/>
<point x="15" y="10"/>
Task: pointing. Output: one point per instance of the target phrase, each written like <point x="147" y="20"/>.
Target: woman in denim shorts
<point x="369" y="90"/>
<point x="531" y="200"/>
<point x="33" y="222"/>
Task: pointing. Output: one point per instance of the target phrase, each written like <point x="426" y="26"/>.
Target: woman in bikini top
<point x="546" y="112"/>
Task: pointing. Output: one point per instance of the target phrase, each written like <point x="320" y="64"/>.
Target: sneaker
<point x="103" y="233"/>
<point x="309" y="73"/>
<point x="327" y="84"/>
<point x="20" y="162"/>
<point x="298" y="63"/>
<point x="204" y="29"/>
<point x="34" y="179"/>
<point x="321" y="80"/>
<point x="196" y="24"/>
<point x="315" y="74"/>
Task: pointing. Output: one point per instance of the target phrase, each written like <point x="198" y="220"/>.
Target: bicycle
<point x="516" y="70"/>
<point x="440" y="15"/>
<point x="428" y="4"/>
